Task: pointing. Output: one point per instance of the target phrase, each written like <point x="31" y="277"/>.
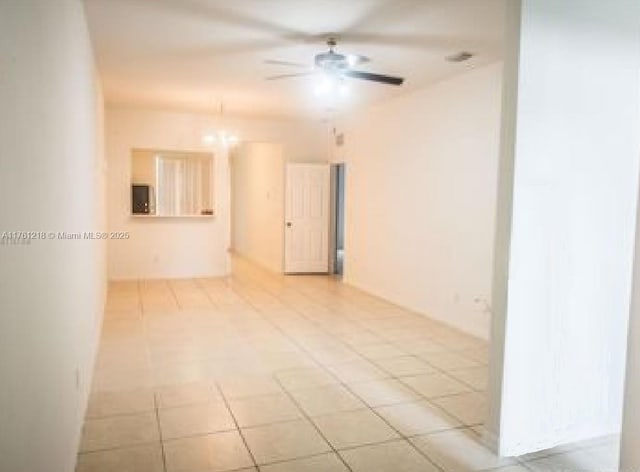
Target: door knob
<point x="288" y="224"/>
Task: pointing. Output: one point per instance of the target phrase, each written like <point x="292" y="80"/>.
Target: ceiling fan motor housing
<point x="331" y="61"/>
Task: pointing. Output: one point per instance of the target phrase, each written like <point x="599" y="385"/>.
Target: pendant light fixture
<point x="220" y="135"/>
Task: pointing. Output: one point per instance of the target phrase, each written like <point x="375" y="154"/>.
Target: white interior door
<point x="306" y="239"/>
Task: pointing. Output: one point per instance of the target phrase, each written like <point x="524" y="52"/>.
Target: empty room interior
<point x="319" y="236"/>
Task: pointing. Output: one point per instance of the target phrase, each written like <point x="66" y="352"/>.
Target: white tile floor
<point x="290" y="374"/>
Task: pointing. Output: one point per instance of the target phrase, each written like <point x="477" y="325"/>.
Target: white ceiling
<point x="193" y="54"/>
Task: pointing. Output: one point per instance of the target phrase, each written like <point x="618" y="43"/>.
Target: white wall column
<point x="566" y="221"/>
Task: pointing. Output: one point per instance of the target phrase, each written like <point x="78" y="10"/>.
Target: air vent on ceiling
<point x="460" y="57"/>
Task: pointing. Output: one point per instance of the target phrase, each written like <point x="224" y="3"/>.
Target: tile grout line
<point x="235" y="421"/>
<point x="207" y="294"/>
<point x="119" y="448"/>
<point x="315" y="426"/>
<point x="139" y="294"/>
<point x="164" y="456"/>
<point x="294" y="459"/>
<point x="198" y="435"/>
<point x="173" y="292"/>
<point x="155" y="398"/>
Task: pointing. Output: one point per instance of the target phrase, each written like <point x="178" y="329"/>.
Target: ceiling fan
<point x="336" y="65"/>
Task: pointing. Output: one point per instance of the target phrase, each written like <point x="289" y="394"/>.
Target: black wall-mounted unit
<point x="140" y="199"/>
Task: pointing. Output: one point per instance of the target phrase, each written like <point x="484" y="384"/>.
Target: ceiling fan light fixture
<point x="330" y="85"/>
<point x="324" y="84"/>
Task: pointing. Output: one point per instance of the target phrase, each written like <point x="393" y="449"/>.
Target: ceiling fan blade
<point x="286" y="76"/>
<point x="285" y="63"/>
<point x="383" y="79"/>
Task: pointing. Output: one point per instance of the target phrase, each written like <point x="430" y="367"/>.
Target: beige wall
<point x="143" y="167"/>
<point x="51" y="180"/>
<point x="168" y="248"/>
<point x="421" y="196"/>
